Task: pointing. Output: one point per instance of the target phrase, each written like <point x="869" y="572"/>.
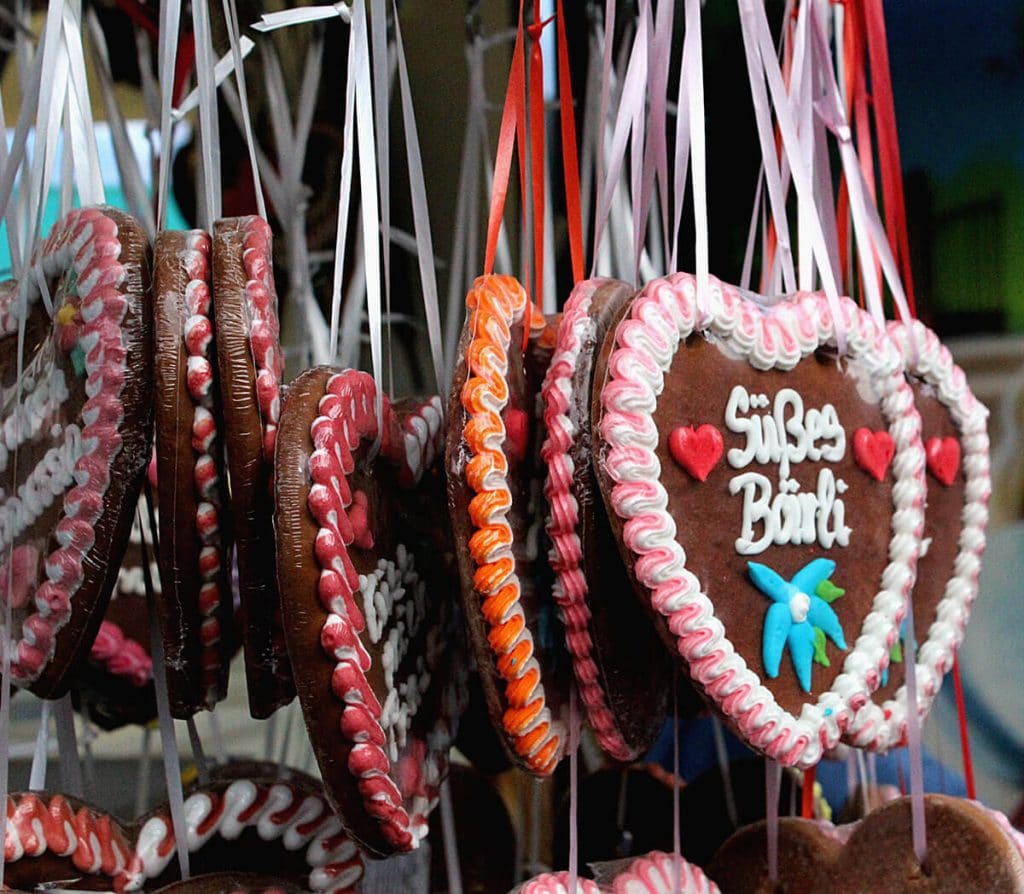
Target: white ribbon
<point x="167" y="51"/>
<point x="209" y="128"/>
<point x="271" y="21"/>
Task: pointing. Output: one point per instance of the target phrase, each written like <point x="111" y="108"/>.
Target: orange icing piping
<point x="496" y="304"/>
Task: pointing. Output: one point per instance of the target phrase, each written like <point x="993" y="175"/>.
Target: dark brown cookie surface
<point x="251" y="364"/>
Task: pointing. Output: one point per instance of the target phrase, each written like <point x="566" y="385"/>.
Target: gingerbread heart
<point x="497" y="513"/>
<point x="52" y="838"/>
<point x="744" y="571"/>
<point x="954" y="423"/>
<point x="279" y="826"/>
<point x="368" y="580"/>
<point x="623" y="676"/>
<point x="77" y="431"/>
<point x="251" y="366"/>
<point x="114" y="687"/>
<point x="968" y="850"/>
<point x="196" y="610"/>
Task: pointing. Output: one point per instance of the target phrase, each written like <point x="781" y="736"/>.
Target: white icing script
<point x="393" y="593"/>
<point x="787" y="435"/>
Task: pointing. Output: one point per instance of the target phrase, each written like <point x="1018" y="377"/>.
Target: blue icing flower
<point x="795" y="613"/>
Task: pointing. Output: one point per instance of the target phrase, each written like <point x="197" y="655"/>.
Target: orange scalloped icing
<point x="496" y="304"/>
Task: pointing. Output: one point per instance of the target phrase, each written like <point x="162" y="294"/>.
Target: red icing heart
<point x="943" y="458"/>
<point x="873" y="451"/>
<point x="697" y="450"/>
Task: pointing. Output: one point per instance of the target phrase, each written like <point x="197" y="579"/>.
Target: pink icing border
<point x="264" y="330"/>
<point x="639" y="877"/>
<point x="38" y="824"/>
<point x="197" y="337"/>
<point x="121" y="656"/>
<point x="347" y="415"/>
<point x="880" y="727"/>
<point x="571" y="588"/>
<point x="556" y="883"/>
<point x="661" y="316"/>
<point x="87" y="242"/>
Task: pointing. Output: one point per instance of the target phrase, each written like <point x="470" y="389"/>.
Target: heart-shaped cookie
<point x="744" y="571"/>
<point x="494" y="484"/>
<point x="954" y="425"/>
<point x="968" y="850"/>
<point x="76" y="435"/>
<point x="52" y="838"/>
<point x="623" y="676"/>
<point x="367" y="577"/>
<point x="196" y="610"/>
<point x="251" y="365"/>
<point x="279" y="826"/>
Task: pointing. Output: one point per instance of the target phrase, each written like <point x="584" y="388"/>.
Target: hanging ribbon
<point x="170" y="25"/>
<point x="570" y="160"/>
<point x="574" y="786"/>
<point x="449" y="840"/>
<point x="420" y="212"/>
<point x="772" y="774"/>
<point x="222" y="70"/>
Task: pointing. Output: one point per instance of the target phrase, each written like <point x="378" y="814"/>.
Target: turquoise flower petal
<point x="806" y="580"/>
<point x="822" y="615"/>
<point x="777" y="622"/>
<point x="769" y="582"/>
<point x="801" y="649"/>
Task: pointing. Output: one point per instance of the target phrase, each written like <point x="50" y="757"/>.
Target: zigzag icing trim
<point x="38" y="824"/>
<point x="277" y="811"/>
<point x="347" y="415"/>
<point x="264" y="329"/>
<point x="557" y="883"/>
<point x="495" y="305"/>
<point x="655" y="873"/>
<point x="882" y="727"/>
<point x="86" y="244"/>
<point x="663" y="315"/>
<point x="197" y="335"/>
<point x="576" y="330"/>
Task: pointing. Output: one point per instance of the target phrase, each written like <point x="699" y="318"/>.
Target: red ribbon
<point x="570" y="160"/>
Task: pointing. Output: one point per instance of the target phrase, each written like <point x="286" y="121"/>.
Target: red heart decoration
<point x="873" y="451"/>
<point x="943" y="458"/>
<point x="697" y="450"/>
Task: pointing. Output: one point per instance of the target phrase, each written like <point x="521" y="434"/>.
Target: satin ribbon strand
<point x="420" y="212"/>
<point x="222" y="70"/>
<point x="167" y="50"/>
<point x="209" y="129"/>
<point x="772" y="774"/>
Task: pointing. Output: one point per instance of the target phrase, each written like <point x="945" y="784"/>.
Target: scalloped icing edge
<point x="655" y="873"/>
<point x="72" y="245"/>
<point x="576" y="329"/>
<point x="661" y="316"/>
<point x="880" y="727"/>
<point x="496" y="304"/>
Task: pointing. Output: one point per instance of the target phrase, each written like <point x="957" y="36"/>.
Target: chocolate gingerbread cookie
<point x="955" y="436"/>
<point x="232" y="883"/>
<point x="251" y="365"/>
<point x="281" y="827"/>
<point x="494" y="484"/>
<point x="763" y="471"/>
<point x="623" y="675"/>
<point x="76" y="407"/>
<point x="53" y="838"/>
<point x="196" y="608"/>
<point x="367" y="577"/>
<point x="968" y="850"/>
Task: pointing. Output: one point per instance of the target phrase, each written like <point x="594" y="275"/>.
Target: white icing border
<point x="879" y="728"/>
<point x="779" y="337"/>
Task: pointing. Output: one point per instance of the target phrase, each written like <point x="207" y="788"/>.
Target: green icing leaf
<point x="896" y="652"/>
<point x="820" y="654"/>
<point x="829" y="591"/>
